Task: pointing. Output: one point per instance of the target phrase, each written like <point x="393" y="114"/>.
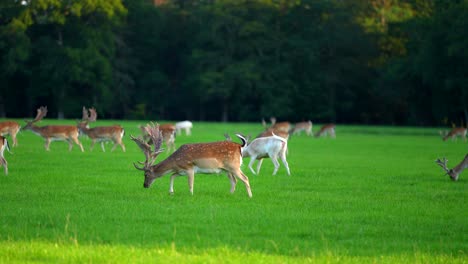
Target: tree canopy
<point x="372" y="62"/>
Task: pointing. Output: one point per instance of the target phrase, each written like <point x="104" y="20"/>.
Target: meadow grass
<point x="372" y="195"/>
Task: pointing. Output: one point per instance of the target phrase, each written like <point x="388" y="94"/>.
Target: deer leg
<point x="171" y="183"/>
<point x="285" y="162"/>
<point x="239" y="174"/>
<point x="233" y="181"/>
<point x="252" y="160"/>
<point x="122" y="146"/>
<point x="191" y="177"/>
<point x="15" y="141"/>
<point x="102" y="146"/>
<point x="5" y="164"/>
<point x="274" y="159"/>
<point x="259" y="165"/>
<point x="75" y="139"/>
<point x="70" y="144"/>
<point x="47" y="144"/>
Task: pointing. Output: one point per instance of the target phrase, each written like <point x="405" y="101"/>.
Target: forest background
<point x="396" y="62"/>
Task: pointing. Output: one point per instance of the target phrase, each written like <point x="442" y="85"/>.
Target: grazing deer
<point x="281" y="126"/>
<point x="101" y="134"/>
<point x="303" y="126"/>
<point x="184" y="125"/>
<point x="457" y="131"/>
<point x="272" y="147"/>
<point x="168" y="132"/>
<point x="192" y="158"/>
<point x="455" y="171"/>
<point x="325" y="130"/>
<point x="51" y="133"/>
<point x="3" y="146"/>
<point x="10" y="128"/>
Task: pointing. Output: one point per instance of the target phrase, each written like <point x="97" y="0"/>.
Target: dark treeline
<point x="401" y="62"/>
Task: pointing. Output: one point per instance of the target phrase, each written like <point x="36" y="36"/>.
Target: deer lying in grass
<point x="457" y="131"/>
<point x="101" y="134"/>
<point x="51" y="133"/>
<point x="455" y="171"/>
<point x="3" y="146"/>
<point x="184" y="125"/>
<point x="10" y="128"/>
<point x="190" y="159"/>
<point x="325" y="130"/>
<point x="303" y="126"/>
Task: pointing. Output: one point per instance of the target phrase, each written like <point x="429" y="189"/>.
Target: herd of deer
<point x="189" y="159"/>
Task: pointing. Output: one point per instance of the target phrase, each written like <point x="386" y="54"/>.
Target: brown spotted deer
<point x="303" y="126"/>
<point x="10" y="128"/>
<point x="50" y="133"/>
<point x="455" y="171"/>
<point x="190" y="159"/>
<point x="281" y="126"/>
<point x="3" y="146"/>
<point x="457" y="131"/>
<point x="325" y="130"/>
<point x="101" y="134"/>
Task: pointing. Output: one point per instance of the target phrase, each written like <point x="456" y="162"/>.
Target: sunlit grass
<point x="366" y="196"/>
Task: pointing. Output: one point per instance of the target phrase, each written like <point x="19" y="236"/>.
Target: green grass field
<point x="372" y="195"/>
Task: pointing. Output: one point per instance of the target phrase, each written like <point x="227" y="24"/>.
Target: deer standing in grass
<point x="190" y="159"/>
<point x="101" y="134"/>
<point x="457" y="131"/>
<point x="303" y="126"/>
<point x="184" y="125"/>
<point x="168" y="132"/>
<point x="281" y="126"/>
<point x="325" y="130"/>
<point x="263" y="147"/>
<point x="3" y="146"/>
<point x="455" y="171"/>
<point x="10" y="128"/>
<point x="53" y="132"/>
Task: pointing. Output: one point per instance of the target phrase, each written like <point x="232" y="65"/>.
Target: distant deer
<point x="3" y="146"/>
<point x="455" y="171"/>
<point x="101" y="134"/>
<point x="457" y="131"/>
<point x="184" y="125"/>
<point x="190" y="159"/>
<point x="51" y="133"/>
<point x="325" y="130"/>
<point x="168" y="132"/>
<point x="10" y="128"/>
<point x="303" y="126"/>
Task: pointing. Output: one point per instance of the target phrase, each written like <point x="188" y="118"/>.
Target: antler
<point x="443" y="163"/>
<point x="93" y="116"/>
<point x="156" y="137"/>
<point x="41" y="113"/>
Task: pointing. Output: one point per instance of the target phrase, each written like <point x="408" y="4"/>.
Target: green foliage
<point x="373" y="194"/>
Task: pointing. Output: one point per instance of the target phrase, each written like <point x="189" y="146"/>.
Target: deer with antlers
<point x="53" y="132"/>
<point x="101" y="134"/>
<point x="455" y="171"/>
<point x="3" y="146"/>
<point x="168" y="132"/>
<point x="190" y="159"/>
<point x="10" y="128"/>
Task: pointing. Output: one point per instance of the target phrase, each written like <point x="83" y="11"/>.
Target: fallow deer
<point x="168" y="132"/>
<point x="101" y="134"/>
<point x="3" y="146"/>
<point x="190" y="159"/>
<point x="53" y="132"/>
<point x="455" y="171"/>
<point x="457" y="131"/>
<point x="325" y="130"/>
<point x="184" y="125"/>
<point x="303" y="126"/>
<point x="10" y="128"/>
